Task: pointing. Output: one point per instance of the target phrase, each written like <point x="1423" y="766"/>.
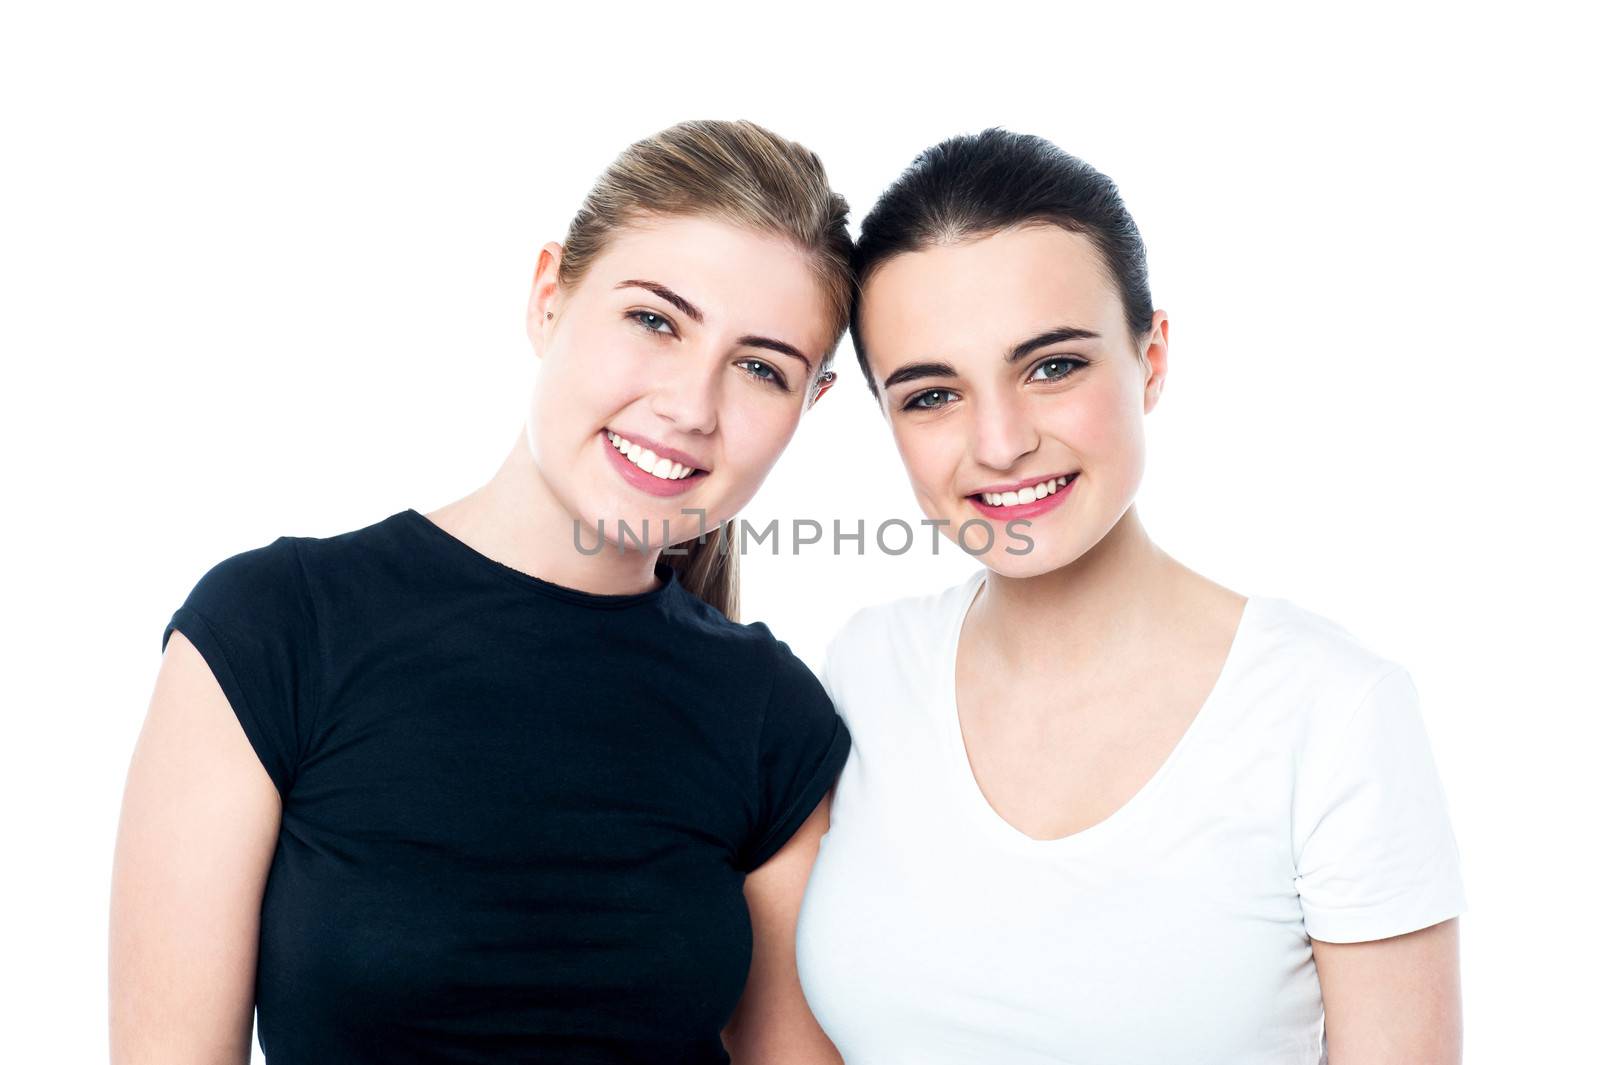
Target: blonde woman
<point x="505" y="781"/>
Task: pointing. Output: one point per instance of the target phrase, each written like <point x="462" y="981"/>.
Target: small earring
<point x="549" y="314"/>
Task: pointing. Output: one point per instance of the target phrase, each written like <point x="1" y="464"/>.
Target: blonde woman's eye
<point x="763" y="372"/>
<point x="1055" y="369"/>
<point x="653" y="322"/>
<point x="932" y="399"/>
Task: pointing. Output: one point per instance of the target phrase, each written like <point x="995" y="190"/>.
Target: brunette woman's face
<point x="674" y="373"/>
<point x="1014" y="390"/>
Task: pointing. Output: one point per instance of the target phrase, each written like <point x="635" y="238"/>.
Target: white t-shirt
<point x="1302" y="802"/>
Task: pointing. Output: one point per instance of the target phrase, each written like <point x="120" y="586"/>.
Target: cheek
<point x="754" y="434"/>
<point x="1104" y="424"/>
<point x="930" y="451"/>
<point x="586" y="378"/>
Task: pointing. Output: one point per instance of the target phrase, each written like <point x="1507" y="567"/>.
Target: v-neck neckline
<point x="977" y="803"/>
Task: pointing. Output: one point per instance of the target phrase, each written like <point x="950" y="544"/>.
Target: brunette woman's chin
<point x="1016" y="548"/>
<point x="1034" y="563"/>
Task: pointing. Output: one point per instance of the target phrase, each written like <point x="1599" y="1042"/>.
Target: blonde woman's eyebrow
<point x="667" y="294"/>
<point x="694" y="313"/>
<point x="776" y="345"/>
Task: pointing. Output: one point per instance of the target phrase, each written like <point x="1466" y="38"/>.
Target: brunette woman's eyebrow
<point x="916" y="371"/>
<point x="1045" y="339"/>
<point x="1054" y="336"/>
<point x="667" y="294"/>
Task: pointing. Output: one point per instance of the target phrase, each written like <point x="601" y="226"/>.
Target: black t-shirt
<point x="517" y="817"/>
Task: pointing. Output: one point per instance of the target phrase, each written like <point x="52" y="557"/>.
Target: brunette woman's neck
<point x="1121" y="590"/>
<point x="515" y="520"/>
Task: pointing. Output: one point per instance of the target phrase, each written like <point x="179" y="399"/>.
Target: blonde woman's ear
<point x="543" y="298"/>
<point x="825" y="381"/>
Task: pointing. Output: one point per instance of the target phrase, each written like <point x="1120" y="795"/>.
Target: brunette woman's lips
<point x="991" y="502"/>
<point x="670" y="472"/>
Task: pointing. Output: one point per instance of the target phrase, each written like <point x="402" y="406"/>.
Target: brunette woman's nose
<point x="1003" y="433"/>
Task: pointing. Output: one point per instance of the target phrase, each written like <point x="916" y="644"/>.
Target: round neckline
<point x="527" y="581"/>
<point x="978" y="803"/>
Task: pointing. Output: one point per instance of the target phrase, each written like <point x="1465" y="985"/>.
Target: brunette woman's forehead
<point x="1016" y="290"/>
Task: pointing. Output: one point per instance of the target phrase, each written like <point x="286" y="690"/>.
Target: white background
<point x="264" y="271"/>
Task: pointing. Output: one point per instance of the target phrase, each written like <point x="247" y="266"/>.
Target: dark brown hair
<point x="978" y="184"/>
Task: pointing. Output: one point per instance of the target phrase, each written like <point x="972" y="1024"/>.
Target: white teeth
<point x="647" y="460"/>
<point x="1025" y="495"/>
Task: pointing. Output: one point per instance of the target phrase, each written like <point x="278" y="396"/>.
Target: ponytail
<point x="710" y="569"/>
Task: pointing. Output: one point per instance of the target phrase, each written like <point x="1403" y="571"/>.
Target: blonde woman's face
<point x="1014" y="391"/>
<point x="674" y="374"/>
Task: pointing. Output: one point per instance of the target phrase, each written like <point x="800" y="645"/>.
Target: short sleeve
<point x="802" y="748"/>
<point x="836" y="659"/>
<point x="249" y="618"/>
<point x="1375" y="853"/>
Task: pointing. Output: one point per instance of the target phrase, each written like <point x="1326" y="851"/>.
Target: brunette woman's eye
<point x="764" y="372"/>
<point x="654" y="323"/>
<point x="932" y="399"/>
<point x="1056" y="368"/>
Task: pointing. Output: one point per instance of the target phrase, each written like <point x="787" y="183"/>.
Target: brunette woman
<point x="1100" y="809"/>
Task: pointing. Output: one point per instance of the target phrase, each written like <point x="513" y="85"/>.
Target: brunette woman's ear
<point x="542" y="300"/>
<point x="1153" y="357"/>
<point x="825" y="381"/>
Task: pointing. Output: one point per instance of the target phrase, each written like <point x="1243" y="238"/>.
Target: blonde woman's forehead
<point x="734" y="276"/>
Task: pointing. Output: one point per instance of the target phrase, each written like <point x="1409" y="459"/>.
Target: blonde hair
<point x="745" y="175"/>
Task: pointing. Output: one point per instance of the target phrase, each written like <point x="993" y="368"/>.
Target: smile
<point x="1025" y="495"/>
<point x="649" y="472"/>
<point x="649" y="461"/>
<point x="1026" y="501"/>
